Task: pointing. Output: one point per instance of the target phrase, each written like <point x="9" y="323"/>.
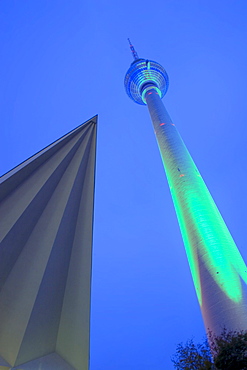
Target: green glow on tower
<point x="205" y="234"/>
<point x="209" y="237"/>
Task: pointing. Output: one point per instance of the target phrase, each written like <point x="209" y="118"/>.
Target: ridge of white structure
<point x="46" y="208"/>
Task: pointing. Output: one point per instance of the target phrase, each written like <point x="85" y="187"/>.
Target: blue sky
<point x="62" y="62"/>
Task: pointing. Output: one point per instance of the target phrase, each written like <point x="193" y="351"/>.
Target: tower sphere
<point x="144" y="75"/>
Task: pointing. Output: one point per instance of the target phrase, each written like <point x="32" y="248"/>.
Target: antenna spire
<point x="134" y="53"/>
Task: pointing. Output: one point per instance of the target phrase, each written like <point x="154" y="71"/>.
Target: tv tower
<point x="217" y="267"/>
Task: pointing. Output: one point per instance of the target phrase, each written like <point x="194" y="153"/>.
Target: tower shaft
<point x="218" y="270"/>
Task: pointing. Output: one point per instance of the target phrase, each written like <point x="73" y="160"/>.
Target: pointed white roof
<point x="45" y="255"/>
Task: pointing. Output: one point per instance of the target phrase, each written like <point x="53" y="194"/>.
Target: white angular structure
<point x="45" y="255"/>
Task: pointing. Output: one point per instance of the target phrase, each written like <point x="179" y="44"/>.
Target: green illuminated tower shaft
<point x="218" y="270"/>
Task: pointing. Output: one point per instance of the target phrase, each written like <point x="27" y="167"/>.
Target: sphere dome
<point x="141" y="76"/>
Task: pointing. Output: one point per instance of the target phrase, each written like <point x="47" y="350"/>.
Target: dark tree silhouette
<point x="193" y="356"/>
<point x="227" y="351"/>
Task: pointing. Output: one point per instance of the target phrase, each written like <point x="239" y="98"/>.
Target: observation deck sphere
<point x="145" y="74"/>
